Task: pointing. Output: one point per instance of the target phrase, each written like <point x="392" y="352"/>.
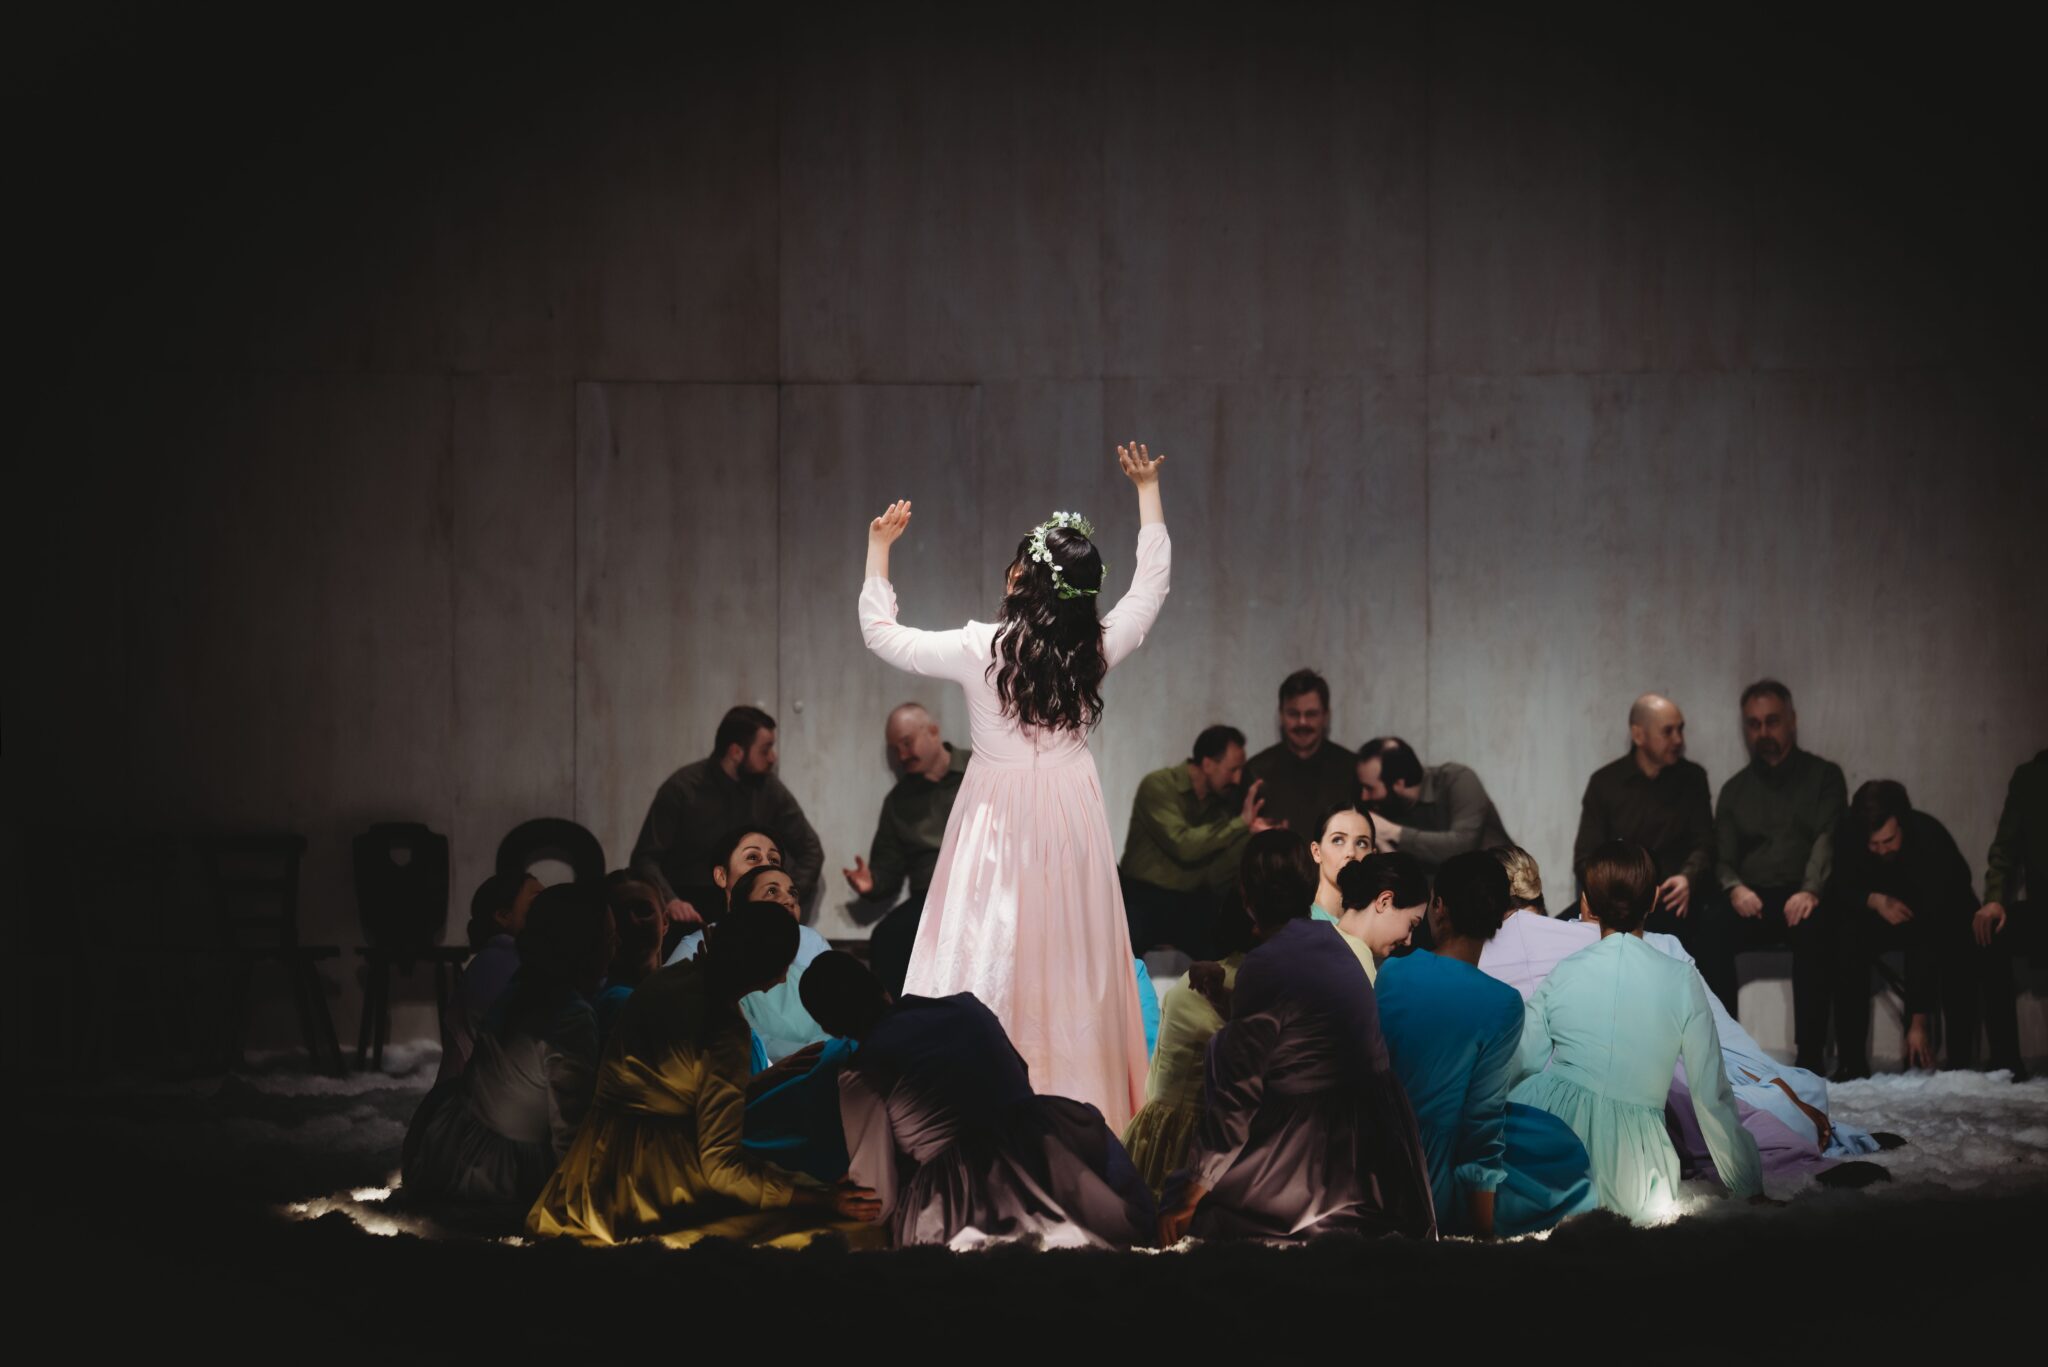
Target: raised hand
<point x="891" y="524"/>
<point x="1249" y="813"/>
<point x="882" y="532"/>
<point x="1140" y="466"/>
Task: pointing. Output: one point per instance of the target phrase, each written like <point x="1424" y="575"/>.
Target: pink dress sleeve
<point x="936" y="654"/>
<point x="1124" y="628"/>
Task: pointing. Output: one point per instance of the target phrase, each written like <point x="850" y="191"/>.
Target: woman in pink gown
<point x="1025" y="910"/>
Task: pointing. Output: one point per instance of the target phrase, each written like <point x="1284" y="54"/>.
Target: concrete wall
<point x="462" y="455"/>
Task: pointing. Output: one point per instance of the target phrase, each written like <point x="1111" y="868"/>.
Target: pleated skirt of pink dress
<point x="1025" y="912"/>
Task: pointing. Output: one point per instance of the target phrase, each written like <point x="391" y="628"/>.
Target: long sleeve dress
<point x="941" y="1121"/>
<point x="1530" y="944"/>
<point x="1453" y="1033"/>
<point x="659" y="1155"/>
<point x="491" y="1134"/>
<point x="1304" y="1128"/>
<point x="1159" y="1134"/>
<point x="1025" y="910"/>
<point x="1600" y="1041"/>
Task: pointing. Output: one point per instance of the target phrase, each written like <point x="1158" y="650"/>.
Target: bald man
<point x="1657" y="798"/>
<point x="907" y="839"/>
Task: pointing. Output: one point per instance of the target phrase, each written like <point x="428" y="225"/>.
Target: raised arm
<point x="1124" y="626"/>
<point x="938" y="654"/>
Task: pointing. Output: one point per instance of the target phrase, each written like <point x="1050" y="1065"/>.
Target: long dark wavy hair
<point x="1049" y="663"/>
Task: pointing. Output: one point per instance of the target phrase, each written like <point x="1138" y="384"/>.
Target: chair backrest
<point x="401" y="876"/>
<point x="254" y="883"/>
<point x="551" y="837"/>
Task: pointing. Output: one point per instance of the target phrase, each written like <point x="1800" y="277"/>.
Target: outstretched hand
<point x="894" y="520"/>
<point x="1140" y="466"/>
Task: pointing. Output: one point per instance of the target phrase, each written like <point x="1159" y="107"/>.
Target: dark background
<point x="440" y="414"/>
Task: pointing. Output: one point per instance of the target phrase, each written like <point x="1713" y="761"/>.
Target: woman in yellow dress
<point x="659" y="1153"/>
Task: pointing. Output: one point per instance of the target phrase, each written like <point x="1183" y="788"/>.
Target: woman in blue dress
<point x="1602" y="1037"/>
<point x="1494" y="1167"/>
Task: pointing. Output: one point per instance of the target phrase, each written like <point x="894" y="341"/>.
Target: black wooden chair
<point x="254" y="884"/>
<point x="551" y="837"/>
<point x="401" y="879"/>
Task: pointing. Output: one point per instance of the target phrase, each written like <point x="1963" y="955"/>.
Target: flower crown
<point x="1040" y="552"/>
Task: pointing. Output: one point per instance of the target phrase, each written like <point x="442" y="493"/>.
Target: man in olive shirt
<point x="1657" y="798"/>
<point x="1431" y="813"/>
<point x="907" y="839"/>
<point x="1307" y="774"/>
<point x="2018" y="863"/>
<point x="1775" y="832"/>
<point x="1188" y="829"/>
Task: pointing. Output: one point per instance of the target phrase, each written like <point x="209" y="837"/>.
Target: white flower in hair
<point x="1042" y="553"/>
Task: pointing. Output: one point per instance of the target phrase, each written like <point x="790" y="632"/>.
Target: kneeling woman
<point x="490" y="1135"/>
<point x="1602" y="1036"/>
<point x="941" y="1123"/>
<point x="1494" y="1167"/>
<point x="659" y="1155"/>
<point x="1305" y="1129"/>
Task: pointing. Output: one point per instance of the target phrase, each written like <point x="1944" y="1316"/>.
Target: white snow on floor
<point x="1964" y="1130"/>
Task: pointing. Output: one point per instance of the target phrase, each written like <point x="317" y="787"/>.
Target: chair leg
<point x="335" y="1061"/>
<point x="383" y="1020"/>
<point x="297" y="969"/>
<point x="372" y="969"/>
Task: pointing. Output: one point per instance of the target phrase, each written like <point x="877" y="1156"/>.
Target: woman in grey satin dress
<point x="1305" y="1129"/>
<point x="942" y="1123"/>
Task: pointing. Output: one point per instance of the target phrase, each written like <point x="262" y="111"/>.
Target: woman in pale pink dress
<point x="1025" y="911"/>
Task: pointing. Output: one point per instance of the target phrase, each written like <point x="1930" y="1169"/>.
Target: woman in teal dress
<point x="1494" y="1167"/>
<point x="1602" y="1036"/>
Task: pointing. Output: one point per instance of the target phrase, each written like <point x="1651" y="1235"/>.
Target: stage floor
<point x="266" y="1196"/>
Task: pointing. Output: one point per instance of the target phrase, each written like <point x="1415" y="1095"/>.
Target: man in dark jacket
<point x="1899" y="882"/>
<point x="700" y="803"/>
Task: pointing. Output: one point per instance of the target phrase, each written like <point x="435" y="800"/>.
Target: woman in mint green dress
<point x="1602" y="1035"/>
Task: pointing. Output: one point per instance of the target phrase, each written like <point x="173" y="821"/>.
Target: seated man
<point x="777" y="1017"/>
<point x="1305" y="1129"/>
<point x="1657" y="798"/>
<point x="941" y="1123"/>
<point x="1899" y="882"/>
<point x="659" y="1154"/>
<point x="907" y="838"/>
<point x="1775" y="832"/>
<point x="2014" y="917"/>
<point x="1305" y="773"/>
<point x="1431" y="813"/>
<point x="735" y="787"/>
<point x="1188" y="828"/>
